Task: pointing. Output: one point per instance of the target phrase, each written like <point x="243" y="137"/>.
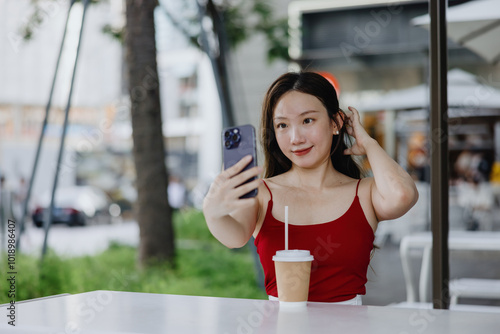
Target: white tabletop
<point x="128" y="312"/>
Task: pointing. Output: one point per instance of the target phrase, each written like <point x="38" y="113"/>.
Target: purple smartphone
<point x="237" y="142"/>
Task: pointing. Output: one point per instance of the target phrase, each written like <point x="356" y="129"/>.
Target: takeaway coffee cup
<point x="293" y="270"/>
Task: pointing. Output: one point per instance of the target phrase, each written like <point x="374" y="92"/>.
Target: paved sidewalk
<point x="76" y="241"/>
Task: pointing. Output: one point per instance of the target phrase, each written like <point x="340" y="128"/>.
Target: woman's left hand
<point x="355" y="129"/>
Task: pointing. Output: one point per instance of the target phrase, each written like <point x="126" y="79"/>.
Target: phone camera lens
<point x="236" y="137"/>
<point x="228" y="144"/>
<point x="227" y="134"/>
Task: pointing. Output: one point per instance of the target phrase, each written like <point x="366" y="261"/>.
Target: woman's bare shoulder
<point x="276" y="181"/>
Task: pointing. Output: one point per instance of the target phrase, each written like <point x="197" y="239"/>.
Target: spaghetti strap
<point x="357" y="186"/>
<point x="270" y="193"/>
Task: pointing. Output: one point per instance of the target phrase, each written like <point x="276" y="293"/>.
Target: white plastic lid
<point x="293" y="255"/>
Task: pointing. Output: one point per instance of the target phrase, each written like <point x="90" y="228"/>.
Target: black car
<point x="77" y="206"/>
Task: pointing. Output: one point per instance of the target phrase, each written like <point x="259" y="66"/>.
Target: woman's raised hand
<point x="355" y="128"/>
<point x="223" y="197"/>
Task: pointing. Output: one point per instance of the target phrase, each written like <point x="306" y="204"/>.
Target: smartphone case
<point x="237" y="142"/>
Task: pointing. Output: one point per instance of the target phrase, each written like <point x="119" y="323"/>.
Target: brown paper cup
<point x="293" y="271"/>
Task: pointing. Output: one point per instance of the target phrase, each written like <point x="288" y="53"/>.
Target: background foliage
<point x="204" y="268"/>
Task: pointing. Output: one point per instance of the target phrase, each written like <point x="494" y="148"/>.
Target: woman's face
<point x="303" y="129"/>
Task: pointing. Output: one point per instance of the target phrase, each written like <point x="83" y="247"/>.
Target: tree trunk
<point x="153" y="212"/>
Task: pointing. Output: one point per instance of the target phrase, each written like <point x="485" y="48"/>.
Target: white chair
<point x="474" y="288"/>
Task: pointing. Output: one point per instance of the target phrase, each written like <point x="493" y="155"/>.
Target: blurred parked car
<point x="77" y="206"/>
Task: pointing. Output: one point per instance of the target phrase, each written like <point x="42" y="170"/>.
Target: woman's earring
<point x="337" y="132"/>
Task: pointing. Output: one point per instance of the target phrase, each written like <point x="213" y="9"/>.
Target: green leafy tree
<point x="239" y="20"/>
<point x="231" y="23"/>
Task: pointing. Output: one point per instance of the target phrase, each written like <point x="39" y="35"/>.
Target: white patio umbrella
<point x="475" y="25"/>
<point x="465" y="91"/>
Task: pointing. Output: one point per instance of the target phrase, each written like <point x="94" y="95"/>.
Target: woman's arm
<point x="232" y="220"/>
<point x="393" y="191"/>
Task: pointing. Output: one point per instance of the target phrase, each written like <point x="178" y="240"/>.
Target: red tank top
<point x="341" y="250"/>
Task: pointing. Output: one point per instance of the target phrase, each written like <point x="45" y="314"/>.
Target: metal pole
<point x="439" y="154"/>
<point x="48" y="222"/>
<point x="42" y="134"/>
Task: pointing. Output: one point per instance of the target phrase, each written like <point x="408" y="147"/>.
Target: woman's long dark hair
<point x="313" y="84"/>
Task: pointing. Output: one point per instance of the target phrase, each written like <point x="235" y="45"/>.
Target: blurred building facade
<point x="375" y="51"/>
<point x="373" y="48"/>
<point x="27" y="69"/>
<point x="98" y="144"/>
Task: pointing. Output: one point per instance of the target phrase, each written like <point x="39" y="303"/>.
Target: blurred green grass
<point x="204" y="268"/>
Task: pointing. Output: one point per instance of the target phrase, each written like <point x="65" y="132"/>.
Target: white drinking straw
<point x="286" y="227"/>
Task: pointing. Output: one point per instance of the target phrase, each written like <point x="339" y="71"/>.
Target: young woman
<point x="309" y="168"/>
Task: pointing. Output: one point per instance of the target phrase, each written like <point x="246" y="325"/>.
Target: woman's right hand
<point x="223" y="197"/>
